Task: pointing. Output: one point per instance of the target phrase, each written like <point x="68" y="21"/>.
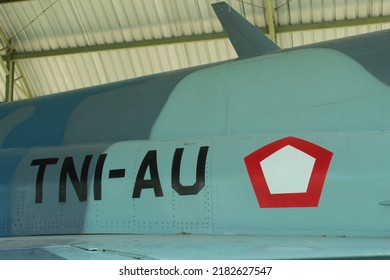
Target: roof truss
<point x="202" y="37"/>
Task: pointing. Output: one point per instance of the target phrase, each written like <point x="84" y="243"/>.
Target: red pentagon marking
<point x="318" y="157"/>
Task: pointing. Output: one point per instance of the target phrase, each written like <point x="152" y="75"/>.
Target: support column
<point x="8" y="61"/>
<point x="270" y="18"/>
<point x="9" y="77"/>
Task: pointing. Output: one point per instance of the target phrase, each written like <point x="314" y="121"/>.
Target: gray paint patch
<point x="125" y="113"/>
<point x="13" y="119"/>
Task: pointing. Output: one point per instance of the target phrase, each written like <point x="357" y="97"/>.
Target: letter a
<point x="150" y="160"/>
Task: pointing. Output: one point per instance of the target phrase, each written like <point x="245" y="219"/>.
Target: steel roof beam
<point x="333" y="24"/>
<point x="117" y="46"/>
<point x="195" y="38"/>
<point x="270" y="18"/>
<point x="7" y="63"/>
<point x="12" y="1"/>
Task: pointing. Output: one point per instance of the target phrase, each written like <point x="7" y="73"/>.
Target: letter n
<point x="79" y="185"/>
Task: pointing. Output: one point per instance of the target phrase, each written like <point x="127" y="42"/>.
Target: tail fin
<point x="246" y="39"/>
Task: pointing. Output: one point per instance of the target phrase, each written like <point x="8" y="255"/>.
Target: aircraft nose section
<point x="289" y="172"/>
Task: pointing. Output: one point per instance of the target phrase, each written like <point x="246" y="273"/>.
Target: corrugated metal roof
<point x="45" y="25"/>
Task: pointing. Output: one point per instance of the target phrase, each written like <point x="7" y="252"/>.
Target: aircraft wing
<point x="186" y="246"/>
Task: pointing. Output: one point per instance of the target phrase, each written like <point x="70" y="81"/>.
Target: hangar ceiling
<point x="53" y="46"/>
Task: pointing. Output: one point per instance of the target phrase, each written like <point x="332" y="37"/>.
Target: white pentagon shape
<point x="288" y="170"/>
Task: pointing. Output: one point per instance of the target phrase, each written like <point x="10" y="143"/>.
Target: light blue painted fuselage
<point x="286" y="144"/>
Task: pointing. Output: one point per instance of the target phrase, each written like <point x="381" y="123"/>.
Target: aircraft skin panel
<point x="334" y="103"/>
<point x="242" y="97"/>
<point x="191" y="247"/>
<point x="197" y="187"/>
<point x="132" y="109"/>
<point x="198" y="106"/>
<point x="337" y="210"/>
<point x="370" y="50"/>
<point x="194" y="157"/>
<point x="89" y="115"/>
<point x="86" y="188"/>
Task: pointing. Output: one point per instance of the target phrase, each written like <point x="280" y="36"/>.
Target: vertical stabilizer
<point x="246" y="39"/>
